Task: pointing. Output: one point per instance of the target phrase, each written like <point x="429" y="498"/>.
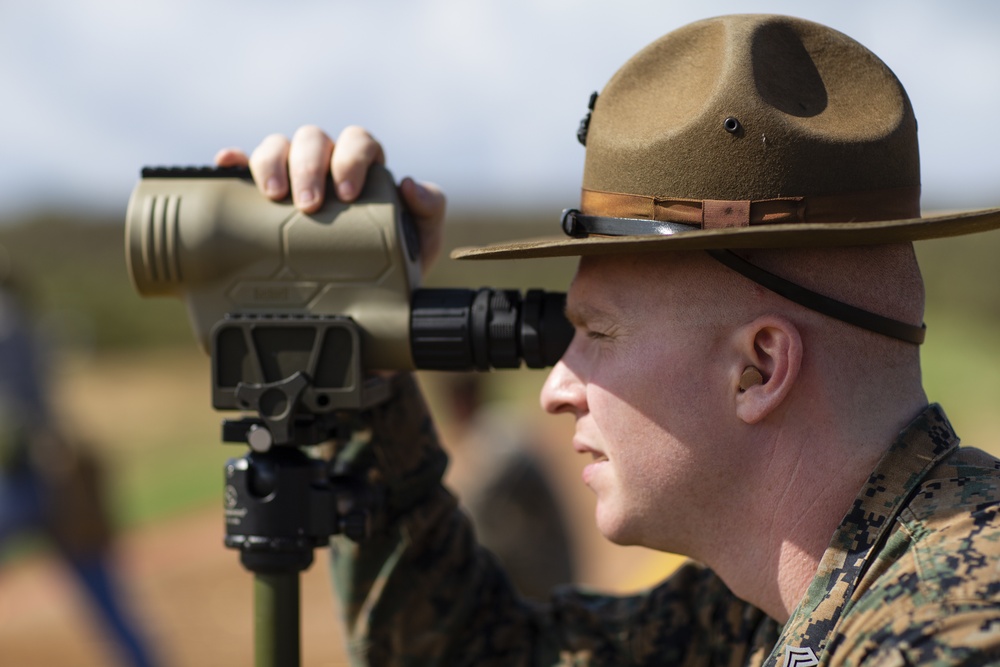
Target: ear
<point x="772" y="345"/>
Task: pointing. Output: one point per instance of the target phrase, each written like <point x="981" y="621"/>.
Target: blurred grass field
<point x="131" y="379"/>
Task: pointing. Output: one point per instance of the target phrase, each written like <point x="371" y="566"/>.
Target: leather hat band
<point x="875" y="205"/>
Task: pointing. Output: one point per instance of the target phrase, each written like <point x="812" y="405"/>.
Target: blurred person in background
<point x="505" y="488"/>
<point x="51" y="484"/>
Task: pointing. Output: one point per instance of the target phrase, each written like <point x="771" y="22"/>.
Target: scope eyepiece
<point x="463" y="329"/>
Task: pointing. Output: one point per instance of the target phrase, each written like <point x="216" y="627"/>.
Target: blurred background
<point x="482" y="98"/>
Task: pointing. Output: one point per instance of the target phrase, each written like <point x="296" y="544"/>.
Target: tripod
<point x="280" y="505"/>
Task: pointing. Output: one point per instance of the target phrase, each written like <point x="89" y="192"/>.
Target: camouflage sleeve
<point x="936" y="636"/>
<point x="422" y="592"/>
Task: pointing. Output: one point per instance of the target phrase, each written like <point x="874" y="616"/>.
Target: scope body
<point x="209" y="237"/>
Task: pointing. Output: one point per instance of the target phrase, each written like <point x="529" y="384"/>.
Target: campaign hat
<point x="747" y="131"/>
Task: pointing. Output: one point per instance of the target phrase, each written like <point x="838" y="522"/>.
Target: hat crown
<point x="752" y="107"/>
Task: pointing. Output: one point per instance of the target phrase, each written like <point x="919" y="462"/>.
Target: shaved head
<point x="713" y="301"/>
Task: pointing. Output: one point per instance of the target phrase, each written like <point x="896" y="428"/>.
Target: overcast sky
<point x="481" y="97"/>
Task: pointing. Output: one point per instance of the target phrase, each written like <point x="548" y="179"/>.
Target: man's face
<point x="644" y="378"/>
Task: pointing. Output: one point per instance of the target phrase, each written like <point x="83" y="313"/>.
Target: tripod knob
<point x="259" y="438"/>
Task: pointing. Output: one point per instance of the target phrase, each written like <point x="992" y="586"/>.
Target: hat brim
<point x="795" y="235"/>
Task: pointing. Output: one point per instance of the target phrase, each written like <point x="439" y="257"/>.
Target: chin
<point x="615" y="527"/>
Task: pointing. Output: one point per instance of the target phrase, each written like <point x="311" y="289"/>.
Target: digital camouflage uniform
<point x="911" y="577"/>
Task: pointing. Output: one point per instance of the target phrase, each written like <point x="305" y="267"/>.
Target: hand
<point x="312" y="154"/>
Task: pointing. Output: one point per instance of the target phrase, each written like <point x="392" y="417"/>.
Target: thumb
<point x="425" y="200"/>
<point x="427" y="203"/>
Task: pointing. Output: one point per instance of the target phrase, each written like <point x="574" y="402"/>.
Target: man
<point x="745" y="376"/>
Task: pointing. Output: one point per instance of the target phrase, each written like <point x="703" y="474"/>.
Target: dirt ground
<point x="188" y="593"/>
<point x="193" y="600"/>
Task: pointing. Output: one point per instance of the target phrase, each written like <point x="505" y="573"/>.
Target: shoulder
<point x="932" y="593"/>
<point x="953" y="526"/>
<point x="953" y="520"/>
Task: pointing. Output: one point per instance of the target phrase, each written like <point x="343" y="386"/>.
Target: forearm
<point x="416" y="588"/>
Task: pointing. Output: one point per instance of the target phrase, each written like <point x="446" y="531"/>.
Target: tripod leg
<point x="276" y="620"/>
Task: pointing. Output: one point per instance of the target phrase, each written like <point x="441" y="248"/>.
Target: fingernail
<point x="272" y="188"/>
<point x="347" y="190"/>
<point x="306" y="197"/>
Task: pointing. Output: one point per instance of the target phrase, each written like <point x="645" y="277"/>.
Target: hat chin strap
<point x="822" y="304"/>
<point x="579" y="225"/>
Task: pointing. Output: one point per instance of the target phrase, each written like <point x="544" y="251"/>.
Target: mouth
<point x="596" y="455"/>
<point x="591" y="471"/>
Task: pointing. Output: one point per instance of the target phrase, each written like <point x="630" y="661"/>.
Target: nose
<point x="563" y="390"/>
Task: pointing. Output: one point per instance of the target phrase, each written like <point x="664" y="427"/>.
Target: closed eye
<point x="605" y="333"/>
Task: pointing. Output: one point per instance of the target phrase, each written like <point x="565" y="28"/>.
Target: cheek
<point x="643" y="452"/>
<point x="647" y="478"/>
<point x="673" y="386"/>
<point x="653" y="413"/>
<point x="645" y="391"/>
<point x="622" y="400"/>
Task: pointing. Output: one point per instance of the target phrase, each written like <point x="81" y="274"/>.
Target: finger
<point x="231" y="157"/>
<point x="308" y="165"/>
<point x="356" y="151"/>
<point x="427" y="203"/>
<point x="269" y="166"/>
<point x="425" y="200"/>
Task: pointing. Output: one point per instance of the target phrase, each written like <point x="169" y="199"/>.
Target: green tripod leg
<point x="276" y="620"/>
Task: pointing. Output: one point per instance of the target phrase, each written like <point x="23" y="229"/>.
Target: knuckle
<point x="360" y="141"/>
<point x="274" y="143"/>
<point x="271" y="150"/>
<point x="306" y="171"/>
<point x="356" y="132"/>
<point x="309" y="133"/>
